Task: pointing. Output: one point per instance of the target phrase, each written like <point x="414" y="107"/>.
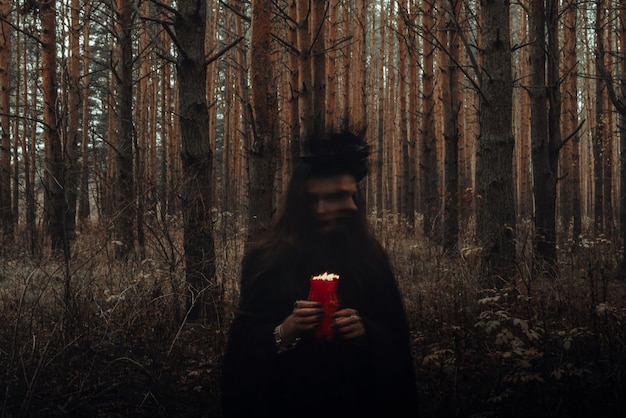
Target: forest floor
<point x="92" y="336"/>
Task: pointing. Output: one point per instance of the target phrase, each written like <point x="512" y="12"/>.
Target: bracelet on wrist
<point x="281" y="344"/>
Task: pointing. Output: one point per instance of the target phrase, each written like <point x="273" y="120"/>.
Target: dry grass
<point x="91" y="336"/>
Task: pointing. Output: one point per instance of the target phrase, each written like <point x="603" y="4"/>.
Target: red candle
<point x="324" y="290"/>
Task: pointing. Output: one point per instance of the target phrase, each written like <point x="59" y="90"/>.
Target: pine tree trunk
<point x="262" y="155"/>
<point x="598" y="141"/>
<point x="554" y="132"/>
<point x="292" y="107"/>
<point x="6" y="211"/>
<point x="72" y="178"/>
<point x="622" y="142"/>
<point x="450" y="83"/>
<point x="406" y="193"/>
<point x="305" y="82"/>
<point x="30" y="165"/>
<point x="569" y="198"/>
<point x="332" y="68"/>
<point x="84" y="209"/>
<point x="356" y="116"/>
<point x="414" y="105"/>
<point x="205" y="293"/>
<point x="494" y="177"/>
<point x="54" y="205"/>
<point x="166" y="137"/>
<point x="521" y="107"/>
<point x="245" y="128"/>
<point x="544" y="179"/>
<point x="428" y="162"/>
<point x="124" y="189"/>
<point x="318" y="57"/>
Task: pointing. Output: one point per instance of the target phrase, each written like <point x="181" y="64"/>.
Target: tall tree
<point x="318" y="63"/>
<point x="84" y="209"/>
<point x="570" y="199"/>
<point x="262" y="154"/>
<point x="598" y="135"/>
<point x="124" y="190"/>
<point x="407" y="191"/>
<point x="205" y="292"/>
<point x="494" y="176"/>
<point x="292" y="108"/>
<point x="380" y="82"/>
<point x="414" y="100"/>
<point x="542" y="148"/>
<point x="622" y="127"/>
<point x="521" y="108"/>
<point x="54" y="177"/>
<point x="618" y="99"/>
<point x="451" y="106"/>
<point x="377" y="97"/>
<point x="356" y="66"/>
<point x="166" y="129"/>
<point x="244" y="128"/>
<point x="428" y="159"/>
<point x="6" y="212"/>
<point x="554" y="129"/>
<point x="73" y="111"/>
<point x="108" y="178"/>
<point x="29" y="148"/>
<point x="333" y="114"/>
<point x="305" y="80"/>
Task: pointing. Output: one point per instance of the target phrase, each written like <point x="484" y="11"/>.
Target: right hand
<point x="306" y="316"/>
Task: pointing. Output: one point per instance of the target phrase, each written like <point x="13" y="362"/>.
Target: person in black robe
<point x="274" y="364"/>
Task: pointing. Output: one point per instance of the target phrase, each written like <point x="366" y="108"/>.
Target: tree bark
<point x="333" y="114"/>
<point x="305" y="81"/>
<point x="29" y="149"/>
<point x="429" y="178"/>
<point x="6" y="211"/>
<point x="450" y="84"/>
<point x="205" y="294"/>
<point x="293" y="108"/>
<point x="521" y="108"/>
<point x="264" y="149"/>
<point x="618" y="100"/>
<point x="72" y="178"/>
<point x="407" y="192"/>
<point x="554" y="131"/>
<point x="494" y="181"/>
<point x="570" y="198"/>
<point x="414" y="103"/>
<point x="544" y="178"/>
<point x="54" y="177"/>
<point x="124" y="189"/>
<point x="598" y="140"/>
<point x="84" y="209"/>
<point x="622" y="148"/>
<point x="356" y="116"/>
<point x="318" y="57"/>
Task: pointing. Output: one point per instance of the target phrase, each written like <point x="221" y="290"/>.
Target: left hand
<point x="348" y="324"/>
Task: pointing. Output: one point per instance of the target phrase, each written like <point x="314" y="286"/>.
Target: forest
<point x="144" y="143"/>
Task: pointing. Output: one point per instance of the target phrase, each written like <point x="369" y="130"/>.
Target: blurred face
<point x="332" y="200"/>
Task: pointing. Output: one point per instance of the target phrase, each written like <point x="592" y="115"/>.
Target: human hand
<point x="306" y="316"/>
<point x="348" y="324"/>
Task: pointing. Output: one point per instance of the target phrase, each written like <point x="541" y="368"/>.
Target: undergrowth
<point x="93" y="336"/>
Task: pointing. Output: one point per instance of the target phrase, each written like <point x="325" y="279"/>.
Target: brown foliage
<point x="118" y="343"/>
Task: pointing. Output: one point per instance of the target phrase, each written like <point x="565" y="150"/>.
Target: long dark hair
<point x="293" y="237"/>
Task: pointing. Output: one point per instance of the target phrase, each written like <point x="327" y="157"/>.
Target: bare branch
<point x="236" y="11"/>
<point x="571" y="135"/>
<point x="222" y="51"/>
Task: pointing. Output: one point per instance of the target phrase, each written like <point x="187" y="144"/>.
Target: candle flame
<point x="326" y="276"/>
